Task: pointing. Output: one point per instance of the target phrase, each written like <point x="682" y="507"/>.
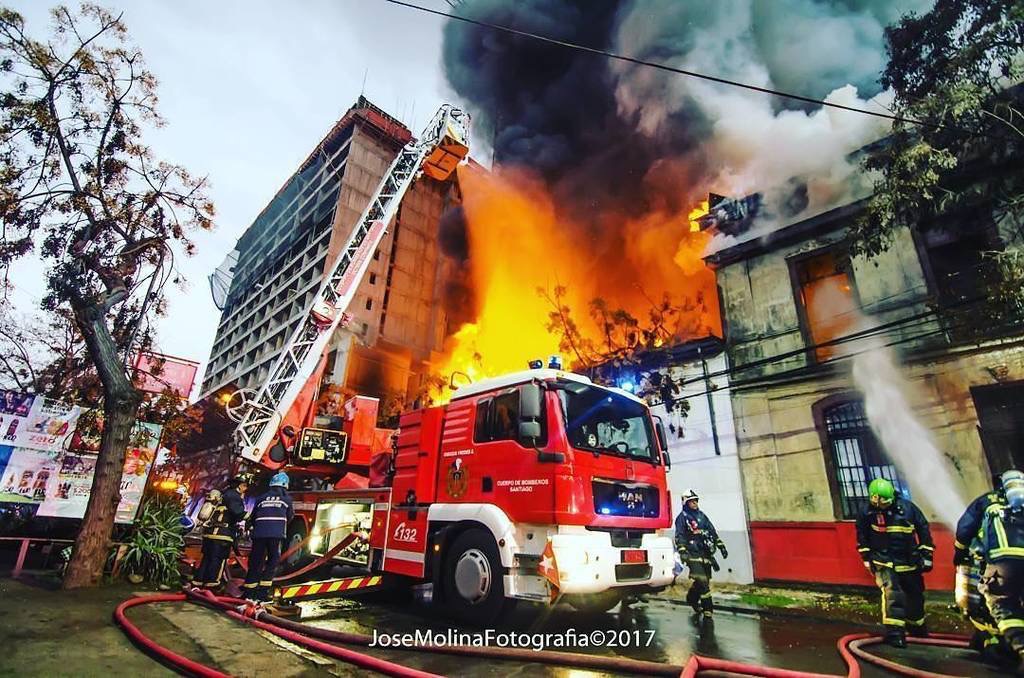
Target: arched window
<point x="857" y="457"/>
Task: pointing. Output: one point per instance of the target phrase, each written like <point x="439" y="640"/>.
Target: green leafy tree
<point x="81" y="191"/>
<point x="959" y="69"/>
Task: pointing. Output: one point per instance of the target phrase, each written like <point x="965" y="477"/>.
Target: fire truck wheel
<point x="474" y="586"/>
<point x="594" y="603"/>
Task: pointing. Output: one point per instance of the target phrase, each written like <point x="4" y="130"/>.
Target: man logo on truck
<point x="458" y="479"/>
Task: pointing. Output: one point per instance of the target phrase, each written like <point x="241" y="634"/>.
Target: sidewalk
<point x="49" y="632"/>
<point x="849" y="605"/>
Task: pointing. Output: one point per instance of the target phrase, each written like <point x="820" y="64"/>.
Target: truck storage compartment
<point x="419" y="441"/>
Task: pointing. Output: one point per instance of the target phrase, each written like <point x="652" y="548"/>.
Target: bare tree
<point x="82" y="192"/>
<point x="627" y="346"/>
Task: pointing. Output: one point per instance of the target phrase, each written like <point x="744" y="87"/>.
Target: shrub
<point x="155" y="543"/>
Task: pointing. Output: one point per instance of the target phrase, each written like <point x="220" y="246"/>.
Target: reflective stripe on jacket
<point x="1002" y="534"/>
<point x="271" y="515"/>
<point x="969" y="525"/>
<point x="897" y="537"/>
<point x="696" y="533"/>
<point x="223" y="524"/>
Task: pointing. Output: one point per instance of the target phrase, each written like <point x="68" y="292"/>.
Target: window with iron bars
<point x="857" y="457"/>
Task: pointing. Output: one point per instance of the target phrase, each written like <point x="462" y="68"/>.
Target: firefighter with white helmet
<point x="270" y="518"/>
<point x="697" y="541"/>
<point x="1000" y="545"/>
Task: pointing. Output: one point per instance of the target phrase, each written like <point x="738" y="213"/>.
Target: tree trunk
<point x="120" y="408"/>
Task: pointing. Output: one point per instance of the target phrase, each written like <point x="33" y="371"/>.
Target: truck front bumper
<point x="588" y="563"/>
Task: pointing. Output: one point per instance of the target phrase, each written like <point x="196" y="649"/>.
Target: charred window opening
<point x="955" y="260"/>
<point x="826" y="297"/>
<point x="857" y="457"/>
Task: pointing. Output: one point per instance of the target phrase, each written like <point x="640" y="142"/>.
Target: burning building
<point x="268" y="281"/>
<point x="843" y="369"/>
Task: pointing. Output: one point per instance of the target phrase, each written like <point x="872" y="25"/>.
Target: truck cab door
<point x="491" y="453"/>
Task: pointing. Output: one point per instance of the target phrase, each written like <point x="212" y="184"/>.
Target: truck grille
<point x="632" y="571"/>
<point x="620" y="498"/>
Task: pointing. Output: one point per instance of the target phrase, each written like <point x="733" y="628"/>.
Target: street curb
<point x="770" y="612"/>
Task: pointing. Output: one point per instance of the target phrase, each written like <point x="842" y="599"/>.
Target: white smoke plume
<point x="909" y="444"/>
<point x="754" y="142"/>
<point x="889" y="402"/>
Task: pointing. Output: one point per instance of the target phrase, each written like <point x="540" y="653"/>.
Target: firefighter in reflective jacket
<point x="270" y="518"/>
<point x="1000" y="545"/>
<point x="697" y="541"/>
<point x="969" y="564"/>
<point x="895" y="542"/>
<point x="219" y="533"/>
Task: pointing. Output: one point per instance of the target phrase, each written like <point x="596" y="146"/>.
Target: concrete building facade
<point x="806" y="446"/>
<point x="280" y="261"/>
<point x="703" y="451"/>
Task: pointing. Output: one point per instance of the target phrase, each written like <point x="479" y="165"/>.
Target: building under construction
<point x="268" y="281"/>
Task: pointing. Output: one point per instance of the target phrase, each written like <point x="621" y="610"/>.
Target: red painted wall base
<point x="826" y="553"/>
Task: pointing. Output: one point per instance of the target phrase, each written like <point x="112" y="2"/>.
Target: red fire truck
<point x="540" y="465"/>
<point x="522" y="487"/>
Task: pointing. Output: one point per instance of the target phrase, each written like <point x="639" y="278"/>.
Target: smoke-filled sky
<point x="249" y="88"/>
<point x="605" y="132"/>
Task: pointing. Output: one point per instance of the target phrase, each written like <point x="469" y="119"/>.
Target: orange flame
<point x="519" y="242"/>
<point x="695" y="214"/>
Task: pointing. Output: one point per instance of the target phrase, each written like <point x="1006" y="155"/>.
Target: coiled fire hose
<point x="850" y="647"/>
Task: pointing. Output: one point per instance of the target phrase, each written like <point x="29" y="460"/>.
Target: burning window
<point x="856" y="457"/>
<point x="827" y="302"/>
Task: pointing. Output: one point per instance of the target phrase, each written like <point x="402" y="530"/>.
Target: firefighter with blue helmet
<point x="895" y="543"/>
<point x="1000" y="545"/>
<point x="269" y="520"/>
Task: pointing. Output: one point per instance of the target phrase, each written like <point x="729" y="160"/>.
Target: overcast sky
<point x="248" y="89"/>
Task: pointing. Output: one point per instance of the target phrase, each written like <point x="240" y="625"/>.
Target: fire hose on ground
<point x="325" y="641"/>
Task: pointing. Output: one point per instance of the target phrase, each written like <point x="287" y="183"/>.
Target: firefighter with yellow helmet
<point x="227" y="509"/>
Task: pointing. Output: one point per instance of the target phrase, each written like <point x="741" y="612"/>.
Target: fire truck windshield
<point x="604" y="422"/>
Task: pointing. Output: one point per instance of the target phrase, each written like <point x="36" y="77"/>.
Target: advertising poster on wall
<point x="137" y="465"/>
<point x="5" y="455"/>
<point x="30" y="476"/>
<point x="74" y="483"/>
<point x="35" y="422"/>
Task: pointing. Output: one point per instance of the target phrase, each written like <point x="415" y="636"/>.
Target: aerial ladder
<point x="260" y="413"/>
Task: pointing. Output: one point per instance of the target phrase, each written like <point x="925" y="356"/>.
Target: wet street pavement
<point x="664" y="628"/>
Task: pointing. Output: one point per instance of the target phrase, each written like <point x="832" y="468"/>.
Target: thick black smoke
<point x="553" y="109"/>
<point x="608" y="135"/>
<point x="457" y="294"/>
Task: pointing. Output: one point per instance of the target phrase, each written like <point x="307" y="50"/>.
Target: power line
<point x="672" y="69"/>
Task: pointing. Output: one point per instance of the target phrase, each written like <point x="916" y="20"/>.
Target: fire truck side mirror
<point x="529" y="432"/>
<point x="659" y="430"/>
<point x="530" y="399"/>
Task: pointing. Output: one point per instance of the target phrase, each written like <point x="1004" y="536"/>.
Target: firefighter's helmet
<point x="280" y="479"/>
<point x="1012" y="483"/>
<point x="881" y="492"/>
<point x="691" y="495"/>
<point x="242" y="478"/>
